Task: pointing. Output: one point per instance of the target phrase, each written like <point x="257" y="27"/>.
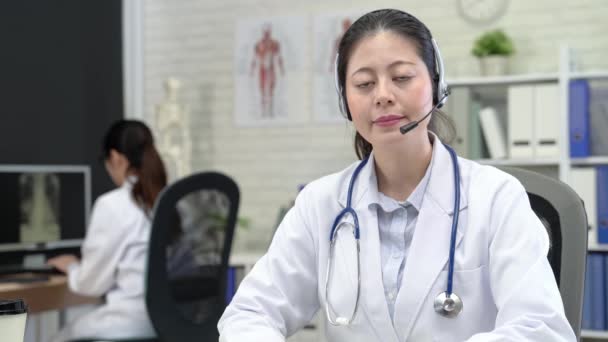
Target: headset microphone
<point x="411" y="125"/>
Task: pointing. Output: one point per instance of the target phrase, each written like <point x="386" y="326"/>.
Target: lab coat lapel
<point x="372" y="302"/>
<point x="372" y="287"/>
<point x="429" y="250"/>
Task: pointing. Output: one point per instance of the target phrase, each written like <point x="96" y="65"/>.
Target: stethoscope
<point x="447" y="303"/>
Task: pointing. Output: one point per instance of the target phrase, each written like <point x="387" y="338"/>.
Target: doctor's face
<point x="387" y="85"/>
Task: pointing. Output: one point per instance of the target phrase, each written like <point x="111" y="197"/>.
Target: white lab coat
<point x="501" y="269"/>
<point x="114" y="256"/>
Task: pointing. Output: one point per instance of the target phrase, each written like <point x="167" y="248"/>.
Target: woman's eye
<point x="364" y="85"/>
<point x="401" y="78"/>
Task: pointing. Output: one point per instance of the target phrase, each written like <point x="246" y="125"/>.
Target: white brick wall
<point x="193" y="41"/>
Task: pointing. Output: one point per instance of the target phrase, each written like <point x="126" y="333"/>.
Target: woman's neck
<point x="399" y="168"/>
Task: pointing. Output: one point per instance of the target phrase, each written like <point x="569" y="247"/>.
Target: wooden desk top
<point x="52" y="294"/>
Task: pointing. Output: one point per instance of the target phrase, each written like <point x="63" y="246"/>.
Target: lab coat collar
<point x="130" y="181"/>
<point x="440" y="186"/>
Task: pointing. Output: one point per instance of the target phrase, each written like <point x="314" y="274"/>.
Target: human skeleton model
<point x="267" y="53"/>
<point x="173" y="124"/>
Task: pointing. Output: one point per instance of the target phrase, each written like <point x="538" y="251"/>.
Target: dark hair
<point x="407" y="26"/>
<point x="134" y="140"/>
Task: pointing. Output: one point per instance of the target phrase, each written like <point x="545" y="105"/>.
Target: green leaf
<point x="494" y="42"/>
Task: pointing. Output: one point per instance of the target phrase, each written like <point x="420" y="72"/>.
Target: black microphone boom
<point x="411" y="125"/>
<point x="408" y="127"/>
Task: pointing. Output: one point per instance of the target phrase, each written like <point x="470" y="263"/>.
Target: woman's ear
<point x="113" y="156"/>
<point x="119" y="160"/>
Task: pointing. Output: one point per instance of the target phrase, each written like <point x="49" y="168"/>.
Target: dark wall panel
<point x="61" y="70"/>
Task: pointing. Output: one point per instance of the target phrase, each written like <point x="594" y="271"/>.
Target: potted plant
<point x="493" y="49"/>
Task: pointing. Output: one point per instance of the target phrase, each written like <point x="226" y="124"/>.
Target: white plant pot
<point x="494" y="65"/>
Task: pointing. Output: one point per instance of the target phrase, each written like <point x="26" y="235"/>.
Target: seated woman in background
<point x="114" y="251"/>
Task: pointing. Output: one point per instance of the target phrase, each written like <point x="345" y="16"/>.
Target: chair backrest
<point x="562" y="212"/>
<point x="190" y="242"/>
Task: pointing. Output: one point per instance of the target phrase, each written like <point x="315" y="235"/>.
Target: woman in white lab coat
<point x="114" y="251"/>
<point x="389" y="76"/>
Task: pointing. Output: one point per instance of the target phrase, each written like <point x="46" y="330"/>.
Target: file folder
<point x="520" y="104"/>
<point x="587" y="296"/>
<point x="598" y="116"/>
<point x="578" y="117"/>
<point x="546" y="120"/>
<point x="598" y="292"/>
<point x="230" y="284"/>
<point x="493" y="133"/>
<point x="583" y="180"/>
<point x="476" y="147"/>
<point x="602" y="204"/>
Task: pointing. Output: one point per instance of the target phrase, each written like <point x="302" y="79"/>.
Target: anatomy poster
<point x="269" y="76"/>
<point x="328" y="30"/>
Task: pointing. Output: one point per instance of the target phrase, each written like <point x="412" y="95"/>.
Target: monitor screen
<point x="43" y="206"/>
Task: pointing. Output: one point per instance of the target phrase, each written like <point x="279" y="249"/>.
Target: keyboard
<point x="25" y="278"/>
<point x="16" y="269"/>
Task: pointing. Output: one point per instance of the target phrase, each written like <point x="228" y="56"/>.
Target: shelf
<point x="595" y="160"/>
<point x="504" y="80"/>
<point x="519" y="162"/>
<point x="594" y="333"/>
<point x="598" y="248"/>
<point x="588" y="75"/>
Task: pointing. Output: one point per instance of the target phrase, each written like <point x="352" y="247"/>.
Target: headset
<point x="443" y="90"/>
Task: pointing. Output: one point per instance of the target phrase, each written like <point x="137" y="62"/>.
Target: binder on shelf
<point x="546" y="121"/>
<point x="230" y="284"/>
<point x="584" y="181"/>
<point x="598" y="292"/>
<point x="598" y="117"/>
<point x="578" y="117"/>
<point x="602" y="204"/>
<point x="493" y="133"/>
<point x="520" y="104"/>
<point x="459" y="108"/>
<point x="475" y="140"/>
<point x="587" y="296"/>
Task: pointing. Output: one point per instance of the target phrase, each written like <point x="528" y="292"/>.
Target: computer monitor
<point x="43" y="207"/>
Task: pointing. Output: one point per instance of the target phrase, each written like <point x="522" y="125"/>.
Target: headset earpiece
<point x="443" y="91"/>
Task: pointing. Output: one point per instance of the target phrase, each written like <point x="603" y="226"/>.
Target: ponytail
<point x="134" y="140"/>
<point x="151" y="178"/>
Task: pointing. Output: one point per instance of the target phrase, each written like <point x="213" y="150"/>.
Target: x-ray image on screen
<point x="39" y="195"/>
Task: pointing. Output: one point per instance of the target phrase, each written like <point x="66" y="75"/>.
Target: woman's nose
<point x="383" y="95"/>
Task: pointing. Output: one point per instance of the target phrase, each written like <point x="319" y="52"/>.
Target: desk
<point x="52" y="294"/>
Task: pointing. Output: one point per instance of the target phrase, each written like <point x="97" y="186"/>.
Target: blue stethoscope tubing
<point x="447" y="304"/>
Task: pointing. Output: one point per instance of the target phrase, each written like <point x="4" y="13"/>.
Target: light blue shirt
<point x="396" y="225"/>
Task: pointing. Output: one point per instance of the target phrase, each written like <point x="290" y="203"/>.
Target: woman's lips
<point x="388" y="120"/>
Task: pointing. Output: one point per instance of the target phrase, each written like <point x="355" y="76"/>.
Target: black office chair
<point x="192" y="233"/>
<point x="562" y="212"/>
<point x="190" y="242"/>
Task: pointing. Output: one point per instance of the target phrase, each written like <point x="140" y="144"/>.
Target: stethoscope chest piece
<point x="448" y="305"/>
